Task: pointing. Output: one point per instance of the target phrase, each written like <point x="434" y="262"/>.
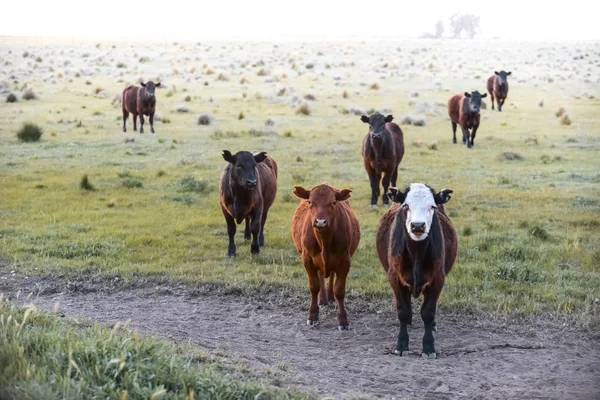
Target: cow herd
<point x="416" y="242"/>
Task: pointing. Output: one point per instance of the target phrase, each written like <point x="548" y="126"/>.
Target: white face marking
<point x="421" y="206"/>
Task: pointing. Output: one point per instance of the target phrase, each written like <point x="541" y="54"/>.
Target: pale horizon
<point x="268" y="20"/>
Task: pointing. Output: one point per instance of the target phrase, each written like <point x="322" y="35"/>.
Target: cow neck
<point x="418" y="252"/>
<point x="378" y="146"/>
<point x="241" y="196"/>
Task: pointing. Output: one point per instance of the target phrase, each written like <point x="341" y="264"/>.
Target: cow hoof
<point x="403" y="353"/>
<point x="373" y="205"/>
<point x="431" y="356"/>
<point x="343" y="327"/>
<point x="141" y="131"/>
<point x="124" y="130"/>
<point x="311" y="322"/>
<point x="454" y="141"/>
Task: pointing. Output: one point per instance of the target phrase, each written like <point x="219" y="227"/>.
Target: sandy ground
<point x="477" y="359"/>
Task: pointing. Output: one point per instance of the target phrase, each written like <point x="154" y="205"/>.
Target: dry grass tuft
<point x="565" y="120"/>
<point x="303" y="109"/>
<point x="560" y="111"/>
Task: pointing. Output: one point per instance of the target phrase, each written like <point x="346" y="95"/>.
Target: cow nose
<point x="376" y="135"/>
<point x="320" y="222"/>
<point x="417" y="227"/>
<point x="251" y="182"/>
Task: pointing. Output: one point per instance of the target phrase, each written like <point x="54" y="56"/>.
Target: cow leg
<point x="454" y="132"/>
<point x="247" y="230"/>
<point x="314" y="285"/>
<point x="386" y="185"/>
<point x="339" y="290"/>
<point x="141" y="123"/>
<point x="500" y="104"/>
<point x="492" y="97"/>
<point x="151" y="118"/>
<point x="324" y="297"/>
<point x="231" y="228"/>
<point x="261" y="237"/>
<point x="125" y="116"/>
<point x="374" y="187"/>
<point x="330" y="296"/>
<point x="473" y="132"/>
<point x="466" y="137"/>
<point x="394" y="177"/>
<point x="430" y="295"/>
<point x="134" y="122"/>
<point x="404" y="310"/>
<point x="255" y="231"/>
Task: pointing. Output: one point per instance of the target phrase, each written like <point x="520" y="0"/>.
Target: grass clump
<point x="85" y="184"/>
<point x="510" y="156"/>
<point x="303" y="109"/>
<point x="205" y="119"/>
<point x="11" y="98"/>
<point x="190" y="184"/>
<point x="29" y="95"/>
<point x="132" y="183"/>
<point x="43" y="357"/>
<point x="30" y="133"/>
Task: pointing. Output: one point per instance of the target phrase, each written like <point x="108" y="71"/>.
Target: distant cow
<point x="416" y="244"/>
<point x="247" y="189"/>
<point x="463" y="110"/>
<point x="326" y="234"/>
<point x="382" y="151"/>
<point x="497" y="86"/>
<point x="139" y="101"/>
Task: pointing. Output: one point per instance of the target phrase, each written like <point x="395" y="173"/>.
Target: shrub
<point x="29" y="133"/>
<point x="11" y="98"/>
<point x="374" y="86"/>
<point x="509" y="155"/>
<point x="303" y="109"/>
<point x="191" y="184"/>
<point x="241" y="115"/>
<point x="121" y="64"/>
<point x="560" y="111"/>
<point x="29" y="95"/>
<point x="205" y="119"/>
<point x="85" y="184"/>
<point x="565" y="120"/>
<point x="188" y="98"/>
<point x="131" y="183"/>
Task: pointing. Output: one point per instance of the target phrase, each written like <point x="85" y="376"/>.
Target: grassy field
<point x="526" y="201"/>
<point x="44" y="357"/>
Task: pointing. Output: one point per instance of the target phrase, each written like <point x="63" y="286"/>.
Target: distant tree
<point x="439" y="29"/>
<point x="467" y="23"/>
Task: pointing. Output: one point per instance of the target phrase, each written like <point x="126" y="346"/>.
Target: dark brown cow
<point x="382" y="150"/>
<point x="497" y="86"/>
<point x="247" y="189"/>
<point x="139" y="101"/>
<point x="463" y="110"/>
<point x="416" y="244"/>
<point x="326" y="233"/>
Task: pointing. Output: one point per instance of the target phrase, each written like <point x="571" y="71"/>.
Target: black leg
<point x="141" y="123"/>
<point x="151" y="118"/>
<point x="231" y="228"/>
<point x="466" y="137"/>
<point x="135" y="122"/>
<point x="374" y="187"/>
<point x="492" y="97"/>
<point x="454" y="132"/>
<point x="125" y="115"/>
<point x="473" y="133"/>
<point x="255" y="230"/>
<point x="386" y="184"/>
<point x="428" y="314"/>
<point x="247" y="230"/>
<point x="261" y="236"/>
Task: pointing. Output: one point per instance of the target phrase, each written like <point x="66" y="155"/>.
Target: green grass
<point x="45" y="357"/>
<point x="520" y="219"/>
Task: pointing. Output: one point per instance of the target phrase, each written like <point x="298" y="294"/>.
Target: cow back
<point x="267" y="176"/>
<point x="398" y="140"/>
<point x="454" y="107"/>
<point x="130" y="96"/>
<point x="382" y="239"/>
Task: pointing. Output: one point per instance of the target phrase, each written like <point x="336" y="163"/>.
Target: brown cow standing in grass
<point x="463" y="110"/>
<point x="139" y="101"/>
<point x="247" y="189"/>
<point x="497" y="86"/>
<point x="382" y="150"/>
<point x="417" y="245"/>
<point x="326" y="233"/>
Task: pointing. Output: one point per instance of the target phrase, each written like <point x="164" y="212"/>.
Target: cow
<point x="139" y="101"/>
<point x="326" y="233"/>
<point x="417" y="245"/>
<point x="463" y="110"/>
<point x="382" y="151"/>
<point x="247" y="189"/>
<point x="497" y="86"/>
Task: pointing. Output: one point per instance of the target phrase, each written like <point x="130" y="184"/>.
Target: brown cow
<point x="382" y="150"/>
<point x="497" y="86"/>
<point x="417" y="245"/>
<point x="326" y="233"/>
<point x="139" y="101"/>
<point x="247" y="189"/>
<point x="463" y="110"/>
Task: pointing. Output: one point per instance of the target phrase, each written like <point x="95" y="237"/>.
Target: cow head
<point x="243" y="167"/>
<point x="419" y="202"/>
<point x="322" y="203"/>
<point x="474" y="100"/>
<point x="376" y="124"/>
<point x="150" y="87"/>
<point x="502" y="76"/>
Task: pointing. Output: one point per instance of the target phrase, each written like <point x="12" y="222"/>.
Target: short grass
<point x="45" y="357"/>
<point x="529" y="226"/>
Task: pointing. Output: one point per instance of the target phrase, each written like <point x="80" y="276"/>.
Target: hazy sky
<point x="278" y="19"/>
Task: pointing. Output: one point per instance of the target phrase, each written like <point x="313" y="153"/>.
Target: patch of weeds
<point x="161" y="173"/>
<point x="85" y="184"/>
<point x="298" y="178"/>
<point x="467" y="231"/>
<point x="29" y="133"/>
<point x="241" y="116"/>
<point x="510" y="156"/>
<point x="11" y="98"/>
<point x="287" y="134"/>
<point x="185" y="199"/>
<point x="29" y="95"/>
<point x="166" y="120"/>
<point x="190" y="184"/>
<point x="287" y="198"/>
<point x="518" y="272"/>
<point x="124" y="174"/>
<point x="540" y="232"/>
<point x="132" y="183"/>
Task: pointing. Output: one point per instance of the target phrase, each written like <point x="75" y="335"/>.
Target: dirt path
<point x="475" y="361"/>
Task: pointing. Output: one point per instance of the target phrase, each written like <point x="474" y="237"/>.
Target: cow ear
<point x="484" y="95"/>
<point x="496" y="72"/>
<point x="260" y="157"/>
<point x="301" y="193"/>
<point x="396" y="195"/>
<point x="467" y="94"/>
<point x="389" y="118"/>
<point x="509" y="72"/>
<point x="443" y="196"/>
<point x="343" y="194"/>
<point x="364" y="119"/>
<point x="158" y="84"/>
<point x="143" y="84"/>
<point x="228" y="156"/>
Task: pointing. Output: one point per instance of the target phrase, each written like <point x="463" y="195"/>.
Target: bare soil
<point x="477" y="359"/>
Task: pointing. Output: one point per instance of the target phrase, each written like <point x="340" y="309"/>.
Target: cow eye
<point x="309" y="203"/>
<point x="334" y="203"/>
<point x="405" y="206"/>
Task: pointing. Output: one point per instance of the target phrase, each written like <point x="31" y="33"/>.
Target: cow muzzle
<point x="251" y="183"/>
<point x="320" y="223"/>
<point x="417" y="228"/>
